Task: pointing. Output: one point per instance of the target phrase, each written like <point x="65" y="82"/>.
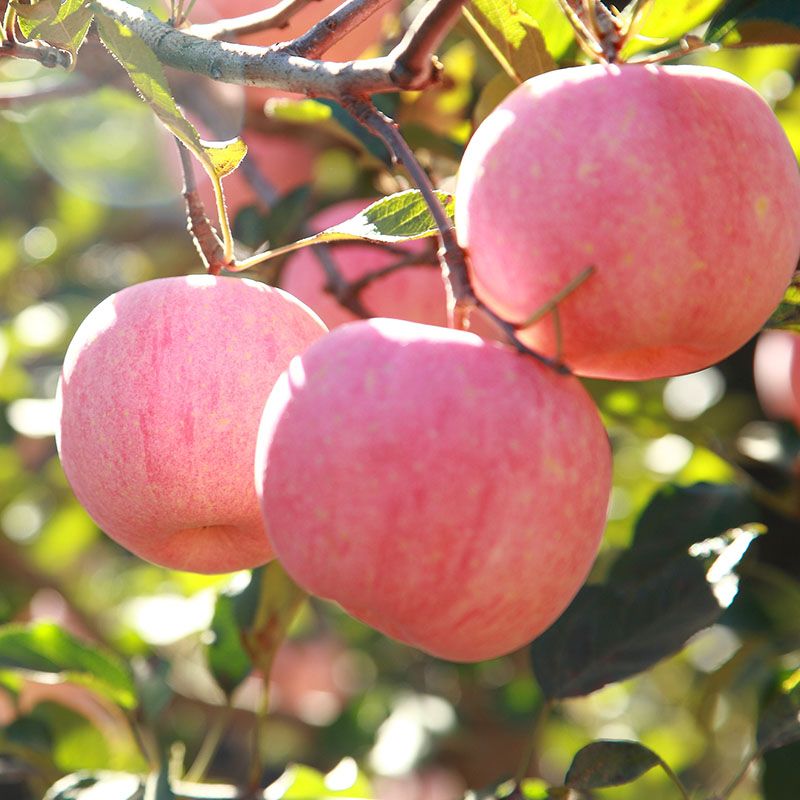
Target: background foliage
<point x="106" y="661"/>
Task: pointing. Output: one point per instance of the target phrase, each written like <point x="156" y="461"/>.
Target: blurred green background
<point x="90" y="204"/>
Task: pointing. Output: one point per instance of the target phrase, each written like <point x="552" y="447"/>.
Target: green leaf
<point x="675" y="580"/>
<point x="787" y="315"/>
<point x="669" y="20"/>
<point x="279" y="599"/>
<point x="609" y="763"/>
<point x="779" y="720"/>
<point x="552" y="22"/>
<point x="678" y="517"/>
<point x="780" y="778"/>
<point x="113" y="785"/>
<point x="147" y="75"/>
<point x="74" y="740"/>
<point x="398" y="217"/>
<point x="302" y="782"/>
<point x="610" y="633"/>
<point x="512" y="36"/>
<point x="227" y="657"/>
<point x="44" y="647"/>
<point x="63" y="25"/>
<point x="250" y="625"/>
<point x="756" y="21"/>
<point x="225" y="157"/>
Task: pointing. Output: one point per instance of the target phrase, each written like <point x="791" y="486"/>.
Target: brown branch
<point x="260" y="66"/>
<point x="276" y="16"/>
<point x="461" y="297"/>
<point x="451" y="256"/>
<point x="27" y="93"/>
<point x="332" y="28"/>
<point x="45" y="54"/>
<point x="414" y="54"/>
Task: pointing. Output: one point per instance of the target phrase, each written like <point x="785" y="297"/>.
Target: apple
<point x="414" y="293"/>
<point x="158" y="409"/>
<point x="443" y="489"/>
<point x="677" y="184"/>
<point x="772" y="371"/>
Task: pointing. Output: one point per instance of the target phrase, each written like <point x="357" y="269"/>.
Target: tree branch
<point x="451" y="256"/>
<point x="461" y="297"/>
<point x="413" y="55"/>
<point x="45" y="54"/>
<point x="276" y="16"/>
<point x="332" y="28"/>
<point x="261" y="66"/>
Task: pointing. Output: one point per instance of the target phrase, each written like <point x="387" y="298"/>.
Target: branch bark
<point x="276" y="16"/>
<point x="270" y="67"/>
<point x="332" y="28"/>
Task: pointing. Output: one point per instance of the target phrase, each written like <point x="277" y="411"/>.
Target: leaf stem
<point x="551" y="304"/>
<point x="208" y="747"/>
<point x="675" y="779"/>
<point x="534" y="740"/>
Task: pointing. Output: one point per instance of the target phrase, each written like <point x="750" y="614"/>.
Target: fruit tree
<point x="399" y="399"/>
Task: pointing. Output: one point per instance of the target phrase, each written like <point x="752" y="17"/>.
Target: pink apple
<point x="443" y="489"/>
<point x="414" y="293"/>
<point x="159" y="402"/>
<point x="772" y="371"/>
<point x="676" y="183"/>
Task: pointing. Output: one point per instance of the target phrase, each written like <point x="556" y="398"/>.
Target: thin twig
<point x="45" y="54"/>
<point x="322" y="36"/>
<point x="413" y="56"/>
<point x="18" y="94"/>
<point x="461" y="298"/>
<point x="534" y="741"/>
<point x="9" y="24"/>
<point x="208" y="747"/>
<point x="276" y="16"/>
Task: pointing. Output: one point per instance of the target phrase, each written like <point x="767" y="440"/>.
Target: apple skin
<point x="676" y="183"/>
<point x="772" y="372"/>
<point x="415" y="293"/>
<point x="158" y="409"/>
<point x="443" y="489"/>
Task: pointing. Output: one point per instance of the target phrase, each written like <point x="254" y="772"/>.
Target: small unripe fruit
<point x="414" y="293"/>
<point x="772" y="372"/>
<point x="159" y="402"/>
<point x="443" y="489"/>
<point x="677" y="184"/>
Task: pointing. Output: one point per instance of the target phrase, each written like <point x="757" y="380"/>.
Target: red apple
<point x="159" y="401"/>
<point x="772" y="371"/>
<point x="443" y="489"/>
<point x="414" y="293"/>
<point x="677" y="184"/>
